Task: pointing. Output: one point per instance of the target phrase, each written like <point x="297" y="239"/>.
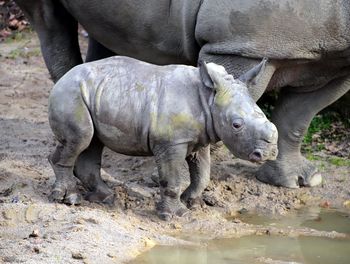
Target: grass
<point x="339" y="161"/>
<point x="318" y="124"/>
<point x="18" y="36"/>
<point x="21" y="52"/>
<point x="326" y="130"/>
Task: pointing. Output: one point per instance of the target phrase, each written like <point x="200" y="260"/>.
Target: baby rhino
<point x="171" y="112"/>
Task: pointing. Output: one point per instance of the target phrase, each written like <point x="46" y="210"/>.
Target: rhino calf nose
<point x="256" y="156"/>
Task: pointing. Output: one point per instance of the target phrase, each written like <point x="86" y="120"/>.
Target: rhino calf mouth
<point x="259" y="155"/>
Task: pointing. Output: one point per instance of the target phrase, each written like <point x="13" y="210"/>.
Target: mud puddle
<point x="313" y="217"/>
<point x="267" y="248"/>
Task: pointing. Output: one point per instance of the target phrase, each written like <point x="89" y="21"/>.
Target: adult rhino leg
<point x="199" y="166"/>
<point x="88" y="170"/>
<point x="97" y="51"/>
<point x="57" y="31"/>
<point x="292" y="116"/>
<point x="169" y="160"/>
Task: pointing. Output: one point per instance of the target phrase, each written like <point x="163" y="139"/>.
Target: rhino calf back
<point x="133" y="105"/>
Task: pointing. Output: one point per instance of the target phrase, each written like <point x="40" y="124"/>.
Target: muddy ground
<point x="33" y="230"/>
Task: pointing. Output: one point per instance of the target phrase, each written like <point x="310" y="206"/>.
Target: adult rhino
<point x="307" y="43"/>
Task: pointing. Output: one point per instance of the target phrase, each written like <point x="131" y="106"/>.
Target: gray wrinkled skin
<point x="171" y="112"/>
<point x="307" y="43"/>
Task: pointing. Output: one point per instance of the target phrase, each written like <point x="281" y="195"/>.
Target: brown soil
<point x="33" y="230"/>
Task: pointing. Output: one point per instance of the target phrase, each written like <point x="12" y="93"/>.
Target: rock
<point x="15" y="199"/>
<point x="36" y="249"/>
<point x="91" y="220"/>
<point x="149" y="243"/>
<point x="79" y="221"/>
<point x="243" y="211"/>
<point x="138" y="191"/>
<point x="325" y="204"/>
<point x="78" y="255"/>
<point x="35" y="233"/>
<point x="346" y="204"/>
<point x="210" y="199"/>
<point x="86" y="261"/>
<point x="108" y="178"/>
<point x="176" y="226"/>
<point x="111" y="255"/>
<point x="31" y="214"/>
<point x="7" y="191"/>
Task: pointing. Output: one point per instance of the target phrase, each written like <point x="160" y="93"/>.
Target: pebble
<point x="325" y="204"/>
<point x="77" y="255"/>
<point x="91" y="220"/>
<point x="243" y="211"/>
<point x="149" y="243"/>
<point x="35" y="233"/>
<point x="347" y="203"/>
<point x="111" y="255"/>
<point x="138" y="191"/>
<point x="36" y="250"/>
<point x="31" y="214"/>
<point x="176" y="226"/>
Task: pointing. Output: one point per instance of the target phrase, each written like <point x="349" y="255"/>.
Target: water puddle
<point x="267" y="249"/>
<point x="313" y="217"/>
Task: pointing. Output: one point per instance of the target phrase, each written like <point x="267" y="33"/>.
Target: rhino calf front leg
<point x="199" y="166"/>
<point x="169" y="160"/>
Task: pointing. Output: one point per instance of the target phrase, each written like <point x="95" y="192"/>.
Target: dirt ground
<point x="33" y="230"/>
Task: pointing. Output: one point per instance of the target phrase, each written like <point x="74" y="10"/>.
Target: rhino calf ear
<point x="203" y="71"/>
<point x="251" y="76"/>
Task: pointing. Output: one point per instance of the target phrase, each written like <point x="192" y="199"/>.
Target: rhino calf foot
<point x="290" y="173"/>
<point x="168" y="210"/>
<point x="63" y="195"/>
<point x="105" y="196"/>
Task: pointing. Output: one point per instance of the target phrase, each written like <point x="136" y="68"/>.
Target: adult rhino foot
<point x="166" y="211"/>
<point x="289" y="173"/>
<point x="62" y="194"/>
<point x="105" y="196"/>
<point x="192" y="203"/>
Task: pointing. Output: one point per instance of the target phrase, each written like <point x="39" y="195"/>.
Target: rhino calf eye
<point x="237" y="124"/>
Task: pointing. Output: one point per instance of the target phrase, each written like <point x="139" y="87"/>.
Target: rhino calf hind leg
<point x="71" y="123"/>
<point x="292" y="116"/>
<point x="88" y="170"/>
<point x="169" y="160"/>
<point x="199" y="166"/>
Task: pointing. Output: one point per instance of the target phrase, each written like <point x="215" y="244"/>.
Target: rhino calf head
<point x="237" y="119"/>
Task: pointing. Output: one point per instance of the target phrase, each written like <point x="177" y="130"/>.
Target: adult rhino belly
<point x="276" y="29"/>
<point x="159" y="32"/>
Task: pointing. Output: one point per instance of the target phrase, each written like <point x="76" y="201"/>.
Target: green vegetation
<point x="18" y="36"/>
<point x="328" y="133"/>
<point x="21" y="52"/>
<point x="318" y="124"/>
<point x="339" y="161"/>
